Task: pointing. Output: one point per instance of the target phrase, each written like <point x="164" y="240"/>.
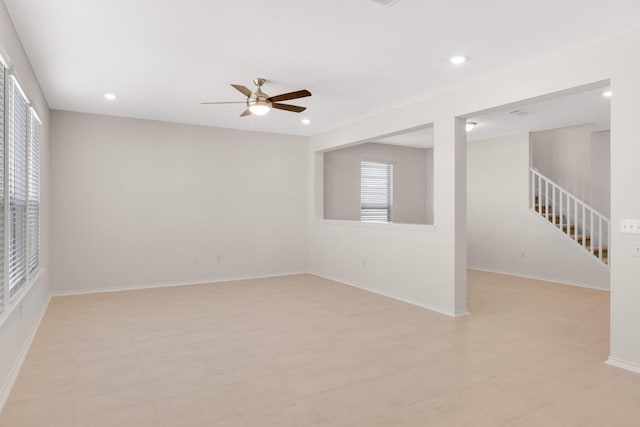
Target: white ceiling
<point x="587" y="107"/>
<point x="162" y="57"/>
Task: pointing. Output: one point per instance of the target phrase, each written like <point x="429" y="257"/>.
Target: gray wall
<point x="600" y="189"/>
<point x="139" y="202"/>
<point x="412" y="181"/>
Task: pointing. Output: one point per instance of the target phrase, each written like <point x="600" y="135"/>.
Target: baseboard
<point x="13" y="375"/>
<point x="457" y="313"/>
<point x="623" y="364"/>
<point x="542" y="279"/>
<point x="168" y="284"/>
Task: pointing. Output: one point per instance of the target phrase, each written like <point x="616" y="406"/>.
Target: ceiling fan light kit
<point x="260" y="103"/>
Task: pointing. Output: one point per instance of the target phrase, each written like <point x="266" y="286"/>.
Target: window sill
<point x="15" y="301"/>
<point x="375" y="225"/>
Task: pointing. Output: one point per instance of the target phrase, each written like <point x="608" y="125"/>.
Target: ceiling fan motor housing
<point x="258" y="97"/>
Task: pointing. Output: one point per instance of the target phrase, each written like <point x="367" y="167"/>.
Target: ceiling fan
<point x="260" y="103"/>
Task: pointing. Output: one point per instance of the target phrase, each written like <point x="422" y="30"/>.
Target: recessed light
<point x="109" y="96"/>
<point x="470" y="126"/>
<point x="306" y="121"/>
<point x="458" y="59"/>
<point x="607" y="94"/>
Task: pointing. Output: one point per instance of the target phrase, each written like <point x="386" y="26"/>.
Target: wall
<point x="503" y="234"/>
<point x="412" y="180"/>
<point x="17" y="329"/>
<point x="600" y="187"/>
<point x="140" y="202"/>
<point x="577" y="158"/>
<point x="438" y="258"/>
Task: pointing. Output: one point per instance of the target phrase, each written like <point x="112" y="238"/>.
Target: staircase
<point x="587" y="227"/>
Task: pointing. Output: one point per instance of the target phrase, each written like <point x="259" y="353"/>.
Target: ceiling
<point x="162" y="57"/>
<point x="587" y="107"/>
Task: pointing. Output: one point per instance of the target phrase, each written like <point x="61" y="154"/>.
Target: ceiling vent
<point x="519" y="112"/>
<point x="386" y="2"/>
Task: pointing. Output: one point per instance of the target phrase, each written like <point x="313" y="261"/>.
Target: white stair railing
<point x="572" y="216"/>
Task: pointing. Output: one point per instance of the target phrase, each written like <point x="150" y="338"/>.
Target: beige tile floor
<point x="304" y="351"/>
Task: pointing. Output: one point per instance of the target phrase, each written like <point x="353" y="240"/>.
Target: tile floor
<point x="304" y="351"/>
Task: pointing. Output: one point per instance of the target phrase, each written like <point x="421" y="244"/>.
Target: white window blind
<point x="33" y="199"/>
<point x="18" y="134"/>
<point x="3" y="75"/>
<point x="376" y="184"/>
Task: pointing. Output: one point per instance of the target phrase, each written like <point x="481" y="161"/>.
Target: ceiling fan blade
<point x="287" y="107"/>
<point x="246" y="113"/>
<point x="291" y="95"/>
<point x="229" y="102"/>
<point x="242" y="89"/>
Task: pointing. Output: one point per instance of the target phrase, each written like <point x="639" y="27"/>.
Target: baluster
<point x="575" y="219"/>
<point x="561" y="209"/>
<point x="584" y="227"/>
<point x="591" y="230"/>
<point x="546" y="199"/>
<point x="540" y="194"/>
<point x="553" y="203"/>
<point x="600" y="237"/>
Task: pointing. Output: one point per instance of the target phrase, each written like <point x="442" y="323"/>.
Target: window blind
<point x="33" y="199"/>
<point x="18" y="132"/>
<point x="3" y="75"/>
<point x="376" y="184"/>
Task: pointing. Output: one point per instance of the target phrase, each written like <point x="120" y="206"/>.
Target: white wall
<point x="438" y="259"/>
<point x="16" y="329"/>
<point x="412" y="181"/>
<point x="411" y="262"/>
<point x="577" y="158"/>
<point x="139" y="202"/>
<point x="504" y="235"/>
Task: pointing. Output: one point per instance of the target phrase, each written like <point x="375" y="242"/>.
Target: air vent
<point x="386" y="2"/>
<point x="519" y="112"/>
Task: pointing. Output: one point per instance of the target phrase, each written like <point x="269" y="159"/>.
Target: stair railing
<point x="574" y="217"/>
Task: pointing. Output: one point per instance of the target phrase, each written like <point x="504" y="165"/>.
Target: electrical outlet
<point x="630" y="226"/>
<point x="636" y="249"/>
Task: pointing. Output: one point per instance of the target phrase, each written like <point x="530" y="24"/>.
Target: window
<point x="3" y="74"/>
<point x="18" y="136"/>
<point x="19" y="191"/>
<point x="376" y="184"/>
<point x="33" y="197"/>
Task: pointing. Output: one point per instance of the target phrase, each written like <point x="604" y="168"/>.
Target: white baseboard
<point x="5" y="390"/>
<point x="623" y="364"/>
<point x="440" y="310"/>
<point x="542" y="279"/>
<point x="168" y="284"/>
